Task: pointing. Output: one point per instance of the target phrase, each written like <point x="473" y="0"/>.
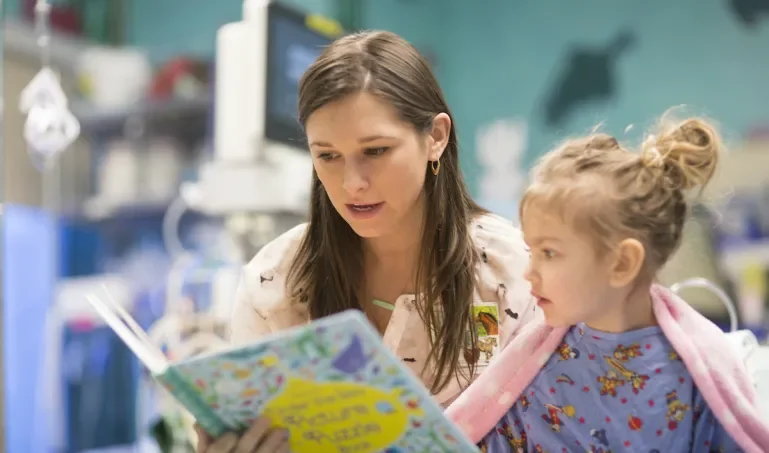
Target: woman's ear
<point x="628" y="261"/>
<point x="438" y="137"/>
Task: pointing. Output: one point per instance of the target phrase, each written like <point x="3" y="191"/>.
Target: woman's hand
<point x="259" y="438"/>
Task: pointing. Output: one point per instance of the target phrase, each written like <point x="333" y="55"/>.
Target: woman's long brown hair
<point x="327" y="272"/>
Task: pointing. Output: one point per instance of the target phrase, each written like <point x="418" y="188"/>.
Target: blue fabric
<point x="604" y="392"/>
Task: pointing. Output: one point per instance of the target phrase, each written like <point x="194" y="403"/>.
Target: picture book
<point x="332" y="383"/>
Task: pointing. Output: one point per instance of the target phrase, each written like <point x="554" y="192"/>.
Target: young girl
<point x="631" y="361"/>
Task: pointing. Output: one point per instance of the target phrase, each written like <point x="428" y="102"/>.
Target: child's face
<point x="568" y="278"/>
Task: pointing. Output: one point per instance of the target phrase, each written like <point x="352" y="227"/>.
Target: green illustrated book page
<point x="332" y="384"/>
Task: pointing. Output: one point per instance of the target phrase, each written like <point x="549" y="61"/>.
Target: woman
<point x="390" y="217"/>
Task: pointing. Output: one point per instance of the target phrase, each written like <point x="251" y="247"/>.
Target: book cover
<point x="332" y="384"/>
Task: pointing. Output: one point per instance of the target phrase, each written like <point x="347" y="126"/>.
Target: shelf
<point x="100" y="210"/>
<point x="19" y="37"/>
<point x="185" y="118"/>
<point x="95" y="117"/>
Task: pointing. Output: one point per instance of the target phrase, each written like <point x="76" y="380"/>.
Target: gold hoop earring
<point x="435" y="166"/>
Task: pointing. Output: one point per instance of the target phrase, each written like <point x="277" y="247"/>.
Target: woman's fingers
<point x="254" y="436"/>
<point x="259" y="438"/>
<point x="224" y="444"/>
<point x="275" y="441"/>
<point x="285" y="447"/>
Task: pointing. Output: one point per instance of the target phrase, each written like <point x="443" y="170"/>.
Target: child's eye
<point x="548" y="253"/>
<point x="325" y="156"/>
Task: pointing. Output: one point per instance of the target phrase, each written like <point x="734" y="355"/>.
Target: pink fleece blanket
<point x="718" y="374"/>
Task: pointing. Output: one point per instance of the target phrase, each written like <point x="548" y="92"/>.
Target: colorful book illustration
<point x="332" y="383"/>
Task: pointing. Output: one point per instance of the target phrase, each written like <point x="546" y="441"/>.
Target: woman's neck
<point x="392" y="251"/>
<point x="390" y="269"/>
<point x="401" y="247"/>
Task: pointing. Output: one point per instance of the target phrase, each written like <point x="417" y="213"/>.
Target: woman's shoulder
<point x="279" y="252"/>
<point x="501" y="269"/>
<point x="261" y="305"/>
<point x="497" y="237"/>
<point x="269" y="267"/>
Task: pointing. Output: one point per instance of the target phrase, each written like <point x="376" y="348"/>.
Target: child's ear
<point x="628" y="261"/>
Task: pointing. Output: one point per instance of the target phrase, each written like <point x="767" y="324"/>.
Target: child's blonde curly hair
<point x="612" y="193"/>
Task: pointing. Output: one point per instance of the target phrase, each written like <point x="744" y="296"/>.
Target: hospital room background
<point x="178" y="156"/>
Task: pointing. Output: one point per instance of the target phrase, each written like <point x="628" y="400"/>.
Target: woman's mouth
<point x="364" y="211"/>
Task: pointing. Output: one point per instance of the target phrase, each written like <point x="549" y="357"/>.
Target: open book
<point x="332" y="383"/>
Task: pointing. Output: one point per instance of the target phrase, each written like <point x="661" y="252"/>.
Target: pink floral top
<point x="501" y="306"/>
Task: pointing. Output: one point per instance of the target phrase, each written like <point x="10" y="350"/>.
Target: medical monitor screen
<point x="292" y="47"/>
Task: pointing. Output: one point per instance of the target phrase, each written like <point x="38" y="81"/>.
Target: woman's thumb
<point x="204" y="440"/>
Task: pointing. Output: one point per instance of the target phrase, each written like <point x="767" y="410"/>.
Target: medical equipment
<point x="744" y="341"/>
<point x="720" y="293"/>
<point x="754" y="355"/>
<point x="50" y="126"/>
<point x="30" y="255"/>
<point x="189" y="327"/>
<point x="181" y="333"/>
<point x="259" y="177"/>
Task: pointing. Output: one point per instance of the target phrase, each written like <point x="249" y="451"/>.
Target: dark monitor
<point x="291" y="48"/>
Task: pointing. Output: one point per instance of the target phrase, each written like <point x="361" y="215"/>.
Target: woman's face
<point x="372" y="164"/>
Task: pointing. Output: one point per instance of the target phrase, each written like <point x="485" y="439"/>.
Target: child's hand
<point x="259" y="438"/>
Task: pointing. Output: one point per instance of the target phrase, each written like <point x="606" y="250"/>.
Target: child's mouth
<point x="542" y="301"/>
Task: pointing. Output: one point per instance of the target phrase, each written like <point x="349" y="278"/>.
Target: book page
<point x="123" y="324"/>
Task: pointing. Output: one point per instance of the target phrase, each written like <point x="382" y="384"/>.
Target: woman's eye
<point x="325" y="156"/>
<point x="548" y="253"/>
<point x="376" y="151"/>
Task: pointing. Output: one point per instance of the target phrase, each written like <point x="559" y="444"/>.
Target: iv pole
<point x="49" y="165"/>
<point x="50" y="128"/>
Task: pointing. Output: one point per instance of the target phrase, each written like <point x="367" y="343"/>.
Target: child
<point x="622" y="364"/>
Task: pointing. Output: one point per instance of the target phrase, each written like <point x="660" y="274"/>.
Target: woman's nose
<point x="355" y="180"/>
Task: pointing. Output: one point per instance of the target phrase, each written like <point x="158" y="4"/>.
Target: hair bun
<point x="602" y="142"/>
<point x="687" y="151"/>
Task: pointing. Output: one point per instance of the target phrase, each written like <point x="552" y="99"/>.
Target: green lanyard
<point x="383" y="304"/>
